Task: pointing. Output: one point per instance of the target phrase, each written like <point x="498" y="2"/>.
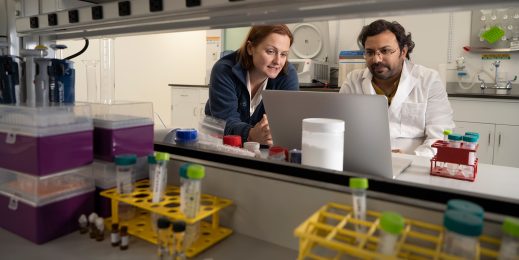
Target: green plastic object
<point x="196" y="172"/>
<point x="392" y="222"/>
<point x="162" y="156"/>
<point x="511" y="226"/>
<point x="493" y="34"/>
<point x="466" y="206"/>
<point x="358" y="183"/>
<point x="125" y="159"/>
<point x="463" y="223"/>
<point x="447" y="132"/>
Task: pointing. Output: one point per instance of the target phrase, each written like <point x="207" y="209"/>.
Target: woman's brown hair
<point x="256" y="35"/>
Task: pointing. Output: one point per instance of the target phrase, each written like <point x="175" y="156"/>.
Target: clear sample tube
<point x="391" y="226"/>
<point x="124" y="168"/>
<point x="183" y="178"/>
<point x="470" y="142"/>
<point x="193" y="191"/>
<point x="163" y="238"/>
<point x="152" y="163"/>
<point x="455" y="141"/>
<point x="446" y="134"/>
<point x="510" y="240"/>
<point x="358" y="188"/>
<point x="462" y="230"/>
<point x="179" y="245"/>
<point x="107" y="89"/>
<point x="160" y="178"/>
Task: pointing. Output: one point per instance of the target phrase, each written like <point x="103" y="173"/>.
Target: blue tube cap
<point x="186" y="135"/>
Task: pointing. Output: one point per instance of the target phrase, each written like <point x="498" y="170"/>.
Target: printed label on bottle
<point x="114" y="237"/>
<point x="124" y="240"/>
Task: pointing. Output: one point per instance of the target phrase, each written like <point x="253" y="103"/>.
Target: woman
<point x="238" y="79"/>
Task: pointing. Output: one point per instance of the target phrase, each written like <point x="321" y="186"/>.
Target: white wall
<point x="146" y="64"/>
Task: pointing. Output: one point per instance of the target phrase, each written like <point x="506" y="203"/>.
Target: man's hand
<point x="261" y="132"/>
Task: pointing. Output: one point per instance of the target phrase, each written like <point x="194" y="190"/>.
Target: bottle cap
<point x="163" y="223"/>
<point x="511" y="226"/>
<point x="162" y="156"/>
<point x="115" y="226"/>
<point x="447" y="132"/>
<point x="455" y="137"/>
<point x="472" y="133"/>
<point x="186" y="135"/>
<point x="152" y="159"/>
<point x="358" y="183"/>
<point x="463" y="223"/>
<point x="466" y="206"/>
<point x="182" y="171"/>
<point x="470" y="138"/>
<point x="124" y="229"/>
<point x="179" y="226"/>
<point x="196" y="172"/>
<point x="125" y="159"/>
<point x="232" y="140"/>
<point x="392" y="222"/>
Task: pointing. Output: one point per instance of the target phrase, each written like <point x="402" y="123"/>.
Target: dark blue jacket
<point x="229" y="98"/>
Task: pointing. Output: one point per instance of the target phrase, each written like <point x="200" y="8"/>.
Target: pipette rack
<point x="330" y="233"/>
<point x="140" y="226"/>
<point x="446" y="154"/>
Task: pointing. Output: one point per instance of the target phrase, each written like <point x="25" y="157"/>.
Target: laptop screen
<point x="367" y="146"/>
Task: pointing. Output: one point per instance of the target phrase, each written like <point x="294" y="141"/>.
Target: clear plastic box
<point x="39" y="191"/>
<point x="122" y="128"/>
<point x="45" y="140"/>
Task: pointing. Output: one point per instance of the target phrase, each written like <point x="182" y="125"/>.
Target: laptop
<point x="367" y="144"/>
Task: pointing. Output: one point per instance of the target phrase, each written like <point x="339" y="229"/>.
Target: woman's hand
<point x="261" y="132"/>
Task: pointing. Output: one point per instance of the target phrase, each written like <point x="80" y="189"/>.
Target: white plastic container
<point x="323" y="143"/>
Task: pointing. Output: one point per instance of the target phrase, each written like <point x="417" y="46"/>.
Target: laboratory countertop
<point x="492" y="181"/>
<point x="76" y="246"/>
<point x="453" y="90"/>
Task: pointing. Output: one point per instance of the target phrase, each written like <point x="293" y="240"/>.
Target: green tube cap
<point x="511" y="226"/>
<point x="447" y="132"/>
<point x="392" y="222"/>
<point x="196" y="171"/>
<point x="162" y="156"/>
<point x="358" y="183"/>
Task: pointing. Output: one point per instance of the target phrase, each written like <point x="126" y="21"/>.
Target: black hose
<point x="80" y="52"/>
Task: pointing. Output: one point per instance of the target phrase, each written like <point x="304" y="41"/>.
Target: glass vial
<point x="163" y="238"/>
<point x="125" y="238"/>
<point x="358" y="188"/>
<point x="115" y="239"/>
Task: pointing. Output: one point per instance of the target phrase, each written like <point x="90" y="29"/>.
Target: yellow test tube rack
<point x="140" y="226"/>
<point x="330" y="233"/>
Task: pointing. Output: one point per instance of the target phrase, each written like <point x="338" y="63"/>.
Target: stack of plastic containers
<point x="45" y="169"/>
<point x="120" y="128"/>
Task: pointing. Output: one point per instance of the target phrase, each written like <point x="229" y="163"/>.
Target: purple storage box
<point x="45" y="140"/>
<point x="43" y="208"/>
<point x="121" y="134"/>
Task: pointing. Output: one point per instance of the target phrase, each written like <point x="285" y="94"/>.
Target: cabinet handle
<point x="499" y="140"/>
<point x="488" y="139"/>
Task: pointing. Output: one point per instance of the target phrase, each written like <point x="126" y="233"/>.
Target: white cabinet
<point x="506" y="149"/>
<point x="187" y="105"/>
<point x="497" y="123"/>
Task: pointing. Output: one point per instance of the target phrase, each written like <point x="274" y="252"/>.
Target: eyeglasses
<point x="368" y="54"/>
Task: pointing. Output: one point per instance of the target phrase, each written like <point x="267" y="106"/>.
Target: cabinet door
<point x="506" y="148"/>
<point x="486" y="138"/>
<point x="184" y="107"/>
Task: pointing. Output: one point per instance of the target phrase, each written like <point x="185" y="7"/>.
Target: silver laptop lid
<point x="367" y="145"/>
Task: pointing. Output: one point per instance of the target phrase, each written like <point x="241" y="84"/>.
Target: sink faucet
<point x="497" y="84"/>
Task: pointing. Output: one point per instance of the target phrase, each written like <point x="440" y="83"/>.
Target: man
<point x="418" y="110"/>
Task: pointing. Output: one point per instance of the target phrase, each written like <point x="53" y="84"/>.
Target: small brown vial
<point x="125" y="238"/>
<point x="114" y="235"/>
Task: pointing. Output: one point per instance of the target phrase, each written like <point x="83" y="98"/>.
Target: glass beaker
<point x="91" y="80"/>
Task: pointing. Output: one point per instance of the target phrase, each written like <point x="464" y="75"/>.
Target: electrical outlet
<point x="125" y="8"/>
<point x="156" y="5"/>
<point x="52" y="19"/>
<point x="73" y="16"/>
<point x="97" y="12"/>
<point x="193" y="3"/>
<point x="33" y="22"/>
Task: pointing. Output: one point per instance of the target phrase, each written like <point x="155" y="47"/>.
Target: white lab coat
<point x="419" y="111"/>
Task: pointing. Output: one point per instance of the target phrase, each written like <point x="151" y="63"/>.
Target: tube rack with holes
<point x="330" y="233"/>
<point x="459" y="157"/>
<point x="140" y="226"/>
